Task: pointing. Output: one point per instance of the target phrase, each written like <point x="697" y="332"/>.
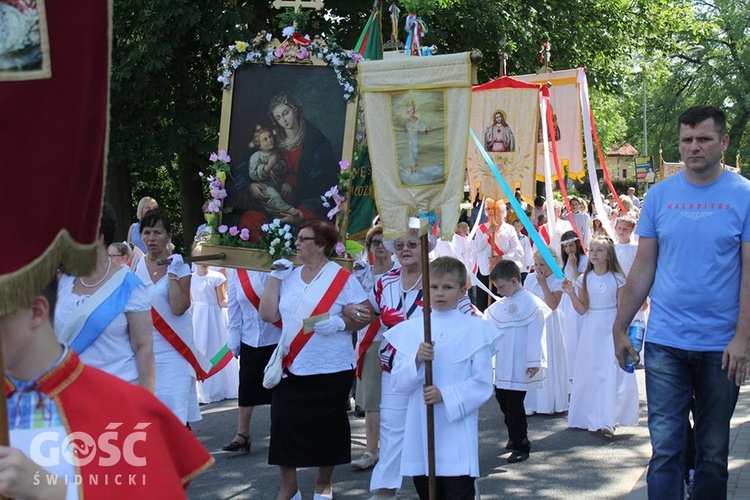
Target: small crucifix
<point x="298" y="4"/>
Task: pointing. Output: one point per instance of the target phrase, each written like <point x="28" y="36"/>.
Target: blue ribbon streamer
<point x="541" y="245"/>
<point x="433" y="219"/>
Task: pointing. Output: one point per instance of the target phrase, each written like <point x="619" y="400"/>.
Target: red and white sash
<point x="253" y="288"/>
<point x="178" y="331"/>
<point x="332" y="280"/>
<point x="498" y="252"/>
<point x="365" y="343"/>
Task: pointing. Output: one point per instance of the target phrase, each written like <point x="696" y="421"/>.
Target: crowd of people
<point x="559" y="344"/>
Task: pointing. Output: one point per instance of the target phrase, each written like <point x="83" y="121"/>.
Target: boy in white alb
<point x="521" y="351"/>
<point x="625" y="248"/>
<point x="462" y="382"/>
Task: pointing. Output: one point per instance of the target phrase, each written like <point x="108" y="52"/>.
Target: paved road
<point x="564" y="463"/>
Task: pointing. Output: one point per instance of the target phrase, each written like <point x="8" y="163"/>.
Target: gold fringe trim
<point x="19" y="288"/>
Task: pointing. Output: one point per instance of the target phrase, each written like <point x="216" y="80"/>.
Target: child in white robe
<point x="462" y="382"/>
<point x="521" y="351"/>
<point x="626" y="248"/>
<point x="553" y="396"/>
<point x="610" y="395"/>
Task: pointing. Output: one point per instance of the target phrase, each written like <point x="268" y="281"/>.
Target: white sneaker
<point x="609" y="432"/>
<point x="367" y="461"/>
<point x="323" y="496"/>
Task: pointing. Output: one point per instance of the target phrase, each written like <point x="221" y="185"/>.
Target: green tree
<point x="165" y="100"/>
<point x="708" y="62"/>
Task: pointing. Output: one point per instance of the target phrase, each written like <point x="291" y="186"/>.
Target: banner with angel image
<point x="417" y="119"/>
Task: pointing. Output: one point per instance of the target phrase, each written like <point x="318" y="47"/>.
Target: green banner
<point x="362" y="202"/>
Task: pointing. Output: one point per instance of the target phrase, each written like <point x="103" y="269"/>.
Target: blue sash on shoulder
<point x="105" y="313"/>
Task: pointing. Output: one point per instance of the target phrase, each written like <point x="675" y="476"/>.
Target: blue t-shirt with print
<point x="699" y="229"/>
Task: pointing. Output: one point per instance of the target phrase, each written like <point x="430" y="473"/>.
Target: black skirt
<point x="309" y="421"/>
<point x="252" y="362"/>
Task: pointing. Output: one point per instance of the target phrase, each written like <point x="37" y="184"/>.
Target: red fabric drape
<point x="53" y="142"/>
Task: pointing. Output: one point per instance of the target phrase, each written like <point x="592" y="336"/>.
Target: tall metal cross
<point x="298" y="4"/>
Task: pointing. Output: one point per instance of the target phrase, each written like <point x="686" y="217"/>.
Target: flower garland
<point x="334" y="197"/>
<point x="264" y="49"/>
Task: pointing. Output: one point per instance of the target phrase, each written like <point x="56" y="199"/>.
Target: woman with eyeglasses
<point x="105" y="317"/>
<point x="397" y="296"/>
<point x="367" y="349"/>
<point x="309" y="422"/>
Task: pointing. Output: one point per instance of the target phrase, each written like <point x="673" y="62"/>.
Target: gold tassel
<point x="19" y="288"/>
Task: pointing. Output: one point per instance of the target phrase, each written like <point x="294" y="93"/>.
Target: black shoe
<point x="518" y="456"/>
<point x="510" y="445"/>
<point x="234" y="445"/>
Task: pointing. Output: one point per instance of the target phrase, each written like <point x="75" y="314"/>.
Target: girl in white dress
<point x="574" y="265"/>
<point x="553" y="396"/>
<point x="607" y="396"/>
<point x="209" y="297"/>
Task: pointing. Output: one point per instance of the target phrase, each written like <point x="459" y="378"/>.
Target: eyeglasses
<point x="400" y="245"/>
<point x="376" y="243"/>
<point x="304" y="238"/>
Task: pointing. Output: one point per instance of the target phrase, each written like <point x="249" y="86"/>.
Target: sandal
<point x="235" y="445"/>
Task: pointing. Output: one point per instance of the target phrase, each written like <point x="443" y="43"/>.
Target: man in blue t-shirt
<point x="694" y="258"/>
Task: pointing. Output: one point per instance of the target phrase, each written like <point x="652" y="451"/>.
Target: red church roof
<point x="624" y="150"/>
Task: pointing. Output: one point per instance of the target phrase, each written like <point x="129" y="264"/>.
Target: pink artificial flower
<point x="338" y="198"/>
<point x="333" y="211"/>
<point x="223" y="228"/>
<point x="279" y="52"/>
<point x="213" y="157"/>
<point x="214" y="206"/>
<point x="357" y="57"/>
<point x="217" y="193"/>
<point x="340" y="248"/>
<point x="234" y="231"/>
<point x="245" y="234"/>
<point x="223" y="156"/>
<point x="302" y="54"/>
<point x="343" y="165"/>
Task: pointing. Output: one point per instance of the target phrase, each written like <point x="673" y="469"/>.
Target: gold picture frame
<point x="316" y="132"/>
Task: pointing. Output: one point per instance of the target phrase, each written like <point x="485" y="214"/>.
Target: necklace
<point x="153" y="273"/>
<point x="109" y="266"/>
<point x="401" y="283"/>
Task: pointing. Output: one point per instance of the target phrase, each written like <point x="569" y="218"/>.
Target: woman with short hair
<point x="309" y="422"/>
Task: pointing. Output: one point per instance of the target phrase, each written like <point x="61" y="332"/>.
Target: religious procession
<point x="341" y="256"/>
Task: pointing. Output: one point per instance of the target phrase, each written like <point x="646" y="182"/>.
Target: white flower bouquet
<point x="278" y="239"/>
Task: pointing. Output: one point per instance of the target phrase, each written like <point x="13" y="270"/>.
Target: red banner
<point x="53" y="147"/>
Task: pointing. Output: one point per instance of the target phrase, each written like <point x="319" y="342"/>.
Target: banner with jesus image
<point x="504" y="115"/>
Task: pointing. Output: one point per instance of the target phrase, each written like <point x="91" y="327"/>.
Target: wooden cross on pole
<point x="298" y="4"/>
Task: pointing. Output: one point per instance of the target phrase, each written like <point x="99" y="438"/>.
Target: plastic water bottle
<point x="635" y="332"/>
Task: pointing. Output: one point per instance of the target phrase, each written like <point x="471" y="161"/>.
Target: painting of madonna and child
<point x="418" y="124"/>
<point x="286" y="138"/>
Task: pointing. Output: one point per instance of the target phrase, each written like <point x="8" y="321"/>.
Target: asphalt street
<point x="564" y="463"/>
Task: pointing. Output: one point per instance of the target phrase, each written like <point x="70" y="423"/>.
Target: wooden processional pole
<point x="432" y="477"/>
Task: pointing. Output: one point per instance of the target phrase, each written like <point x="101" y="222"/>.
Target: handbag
<point x="273" y="370"/>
